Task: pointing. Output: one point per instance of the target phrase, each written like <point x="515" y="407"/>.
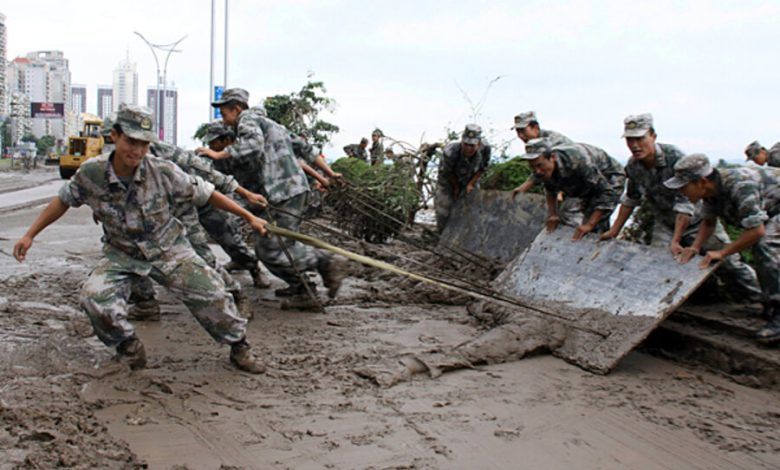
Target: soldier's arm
<point x="220" y="201"/>
<point x="48" y="216"/>
<point x="681" y="223"/>
<point x="623" y="214"/>
<point x="313" y="173"/>
<point x="473" y="181"/>
<point x="706" y="229"/>
<point x="252" y="198"/>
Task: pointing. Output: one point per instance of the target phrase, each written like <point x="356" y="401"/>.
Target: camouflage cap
<point x="752" y="150"/>
<point x="535" y="148"/>
<point x="378" y="132"/>
<point x="637" y="126"/>
<point x="522" y="120"/>
<point x="108" y="124"/>
<point x="136" y="122"/>
<point x="232" y="94"/>
<point x="472" y="134"/>
<point x="215" y="130"/>
<point x="689" y="168"/>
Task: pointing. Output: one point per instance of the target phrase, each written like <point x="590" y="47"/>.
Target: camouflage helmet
<point x="216" y="130"/>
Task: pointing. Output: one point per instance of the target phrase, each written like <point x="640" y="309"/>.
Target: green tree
<point x="300" y="112"/>
<point x="44" y="144"/>
<point x="29" y="138"/>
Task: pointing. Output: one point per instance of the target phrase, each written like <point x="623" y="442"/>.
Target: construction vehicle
<point x="86" y="145"/>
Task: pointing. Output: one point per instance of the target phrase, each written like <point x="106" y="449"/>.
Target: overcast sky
<point x="707" y="70"/>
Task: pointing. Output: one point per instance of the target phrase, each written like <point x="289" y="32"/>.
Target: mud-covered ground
<point x="63" y="401"/>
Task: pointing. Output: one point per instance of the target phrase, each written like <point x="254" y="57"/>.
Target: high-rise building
<point x="168" y="122"/>
<point x="105" y="101"/>
<point x="3" y="61"/>
<point x="78" y="98"/>
<point x="45" y="78"/>
<point x="125" y="83"/>
<point x="19" y="116"/>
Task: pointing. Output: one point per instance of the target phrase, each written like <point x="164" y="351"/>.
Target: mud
<point x="63" y="395"/>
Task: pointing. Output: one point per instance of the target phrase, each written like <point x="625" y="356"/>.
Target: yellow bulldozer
<point x="88" y="144"/>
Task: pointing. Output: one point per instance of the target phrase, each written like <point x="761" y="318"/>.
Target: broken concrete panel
<point x="491" y="224"/>
<point x="613" y="293"/>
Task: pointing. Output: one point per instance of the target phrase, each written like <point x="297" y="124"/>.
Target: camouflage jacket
<point x="746" y="196"/>
<point x="356" y="151"/>
<point x="195" y="165"/>
<point x="773" y="156"/>
<point x="453" y="163"/>
<point x="555" y="138"/>
<point x="589" y="173"/>
<point x="377" y="153"/>
<point x="139" y="220"/>
<point x="304" y="150"/>
<point x="263" y="157"/>
<point x="649" y="184"/>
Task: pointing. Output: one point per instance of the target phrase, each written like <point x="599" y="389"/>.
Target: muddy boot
<point x="259" y="279"/>
<point x="241" y="356"/>
<point x="301" y="302"/>
<point x="334" y="271"/>
<point x="294" y="289"/>
<point x="131" y="351"/>
<point x="144" y="310"/>
<point x="770" y="333"/>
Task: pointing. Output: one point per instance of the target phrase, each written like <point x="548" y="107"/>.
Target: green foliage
<point x="44" y="144"/>
<point x="299" y="112"/>
<point x="640" y="229"/>
<point x="507" y="175"/>
<point x="378" y="201"/>
<point x="29" y="138"/>
<point x="734" y="233"/>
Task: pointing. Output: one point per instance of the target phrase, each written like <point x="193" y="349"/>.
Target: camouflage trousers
<point x="225" y="229"/>
<point x="185" y="274"/>
<point x="733" y="272"/>
<point x="442" y="205"/>
<point x="271" y="253"/>
<point x="143" y="288"/>
<point x="766" y="255"/>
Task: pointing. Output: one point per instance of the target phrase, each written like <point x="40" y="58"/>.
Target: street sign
<point x="217" y="95"/>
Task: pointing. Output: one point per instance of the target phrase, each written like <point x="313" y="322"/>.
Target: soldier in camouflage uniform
<point x="462" y="164"/>
<point x="136" y="196"/>
<point x="264" y="161"/>
<point x="744" y="197"/>
<point x="581" y="171"/>
<point x="377" y="151"/>
<point x="526" y="125"/>
<point x="762" y="156"/>
<point x="676" y="219"/>
<point x="357" y="150"/>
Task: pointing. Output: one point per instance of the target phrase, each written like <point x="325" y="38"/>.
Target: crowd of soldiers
<point x="687" y="196"/>
<point x="158" y="204"/>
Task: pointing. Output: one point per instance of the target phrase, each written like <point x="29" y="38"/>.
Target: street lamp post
<point x="169" y="48"/>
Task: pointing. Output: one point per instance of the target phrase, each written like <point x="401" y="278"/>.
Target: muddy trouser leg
<point x="733" y="272"/>
<point x="570" y="211"/>
<point x="442" y="203"/>
<point x="270" y="252"/>
<point x="200" y="288"/>
<point x="198" y="238"/>
<point x="225" y="229"/>
<point x="766" y="254"/>
<point x="104" y="299"/>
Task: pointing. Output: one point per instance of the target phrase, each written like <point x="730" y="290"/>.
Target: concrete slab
<point x="619" y="289"/>
<point x="490" y="224"/>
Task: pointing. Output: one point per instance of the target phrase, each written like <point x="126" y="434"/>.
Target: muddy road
<point x="63" y="401"/>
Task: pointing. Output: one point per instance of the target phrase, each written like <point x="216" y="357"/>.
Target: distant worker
<point x="462" y="165"/>
<point x="762" y="156"/>
<point x="744" y="197"/>
<point x="357" y="150"/>
<point x="580" y="171"/>
<point x="135" y="196"/>
<point x="264" y="161"/>
<point x="377" y="151"/>
<point x="676" y="219"/>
